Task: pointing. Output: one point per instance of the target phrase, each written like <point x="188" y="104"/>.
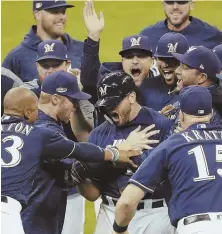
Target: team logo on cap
<point x="103" y="90"/>
<point x="56" y="0"/>
<point x="191" y="49"/>
<point x="49" y="48"/>
<point x="61" y="90"/>
<point x="172" y="48"/>
<point x="38" y="5"/>
<point x="201" y="66"/>
<point x="135" y="42"/>
<point x="201" y="112"/>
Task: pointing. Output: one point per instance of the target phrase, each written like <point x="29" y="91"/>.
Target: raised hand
<point x="76" y="72"/>
<point x="93" y="23"/>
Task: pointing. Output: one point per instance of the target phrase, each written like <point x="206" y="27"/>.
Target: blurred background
<point x="122" y="18"/>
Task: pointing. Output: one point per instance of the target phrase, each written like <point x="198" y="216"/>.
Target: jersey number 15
<point x="202" y="165"/>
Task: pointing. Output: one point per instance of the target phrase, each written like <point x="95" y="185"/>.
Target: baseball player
<point x="218" y="51"/>
<point x="51" y="18"/>
<point x="157" y="91"/>
<point x="178" y="19"/>
<point x="136" y="55"/>
<point x="191" y="160"/>
<point x="57" y="100"/>
<point x="199" y="66"/>
<point x="118" y="101"/>
<point x="52" y="56"/>
<point x="25" y="183"/>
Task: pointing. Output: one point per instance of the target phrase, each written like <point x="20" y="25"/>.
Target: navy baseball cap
<point x="202" y="59"/>
<point x="195" y="100"/>
<point x="218" y="51"/>
<point x="171" y="43"/>
<point x="136" y="42"/>
<point x="64" y="84"/>
<point x="45" y="5"/>
<point x="51" y="49"/>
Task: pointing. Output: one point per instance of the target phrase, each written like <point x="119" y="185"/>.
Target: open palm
<point x="94" y="24"/>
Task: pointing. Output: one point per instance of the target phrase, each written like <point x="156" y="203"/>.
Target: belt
<point x="141" y="205"/>
<point x="4" y="199"/>
<point x="201" y="217"/>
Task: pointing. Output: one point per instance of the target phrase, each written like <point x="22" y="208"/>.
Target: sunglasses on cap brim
<point x="178" y="2"/>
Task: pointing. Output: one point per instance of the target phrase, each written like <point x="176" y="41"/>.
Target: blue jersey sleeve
<point x="90" y="65"/>
<point x="152" y="171"/>
<point x="56" y="146"/>
<point x="12" y="64"/>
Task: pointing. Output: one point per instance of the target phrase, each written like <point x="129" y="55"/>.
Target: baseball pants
<point x="195" y="224"/>
<point x="146" y="221"/>
<point x="75" y="215"/>
<point x="97" y="204"/>
<point x="11" y="221"/>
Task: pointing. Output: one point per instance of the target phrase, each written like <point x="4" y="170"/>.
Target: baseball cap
<point x="136" y="42"/>
<point x="218" y="51"/>
<point x="195" y="100"/>
<point x="171" y="43"/>
<point x="51" y="49"/>
<point x="45" y="5"/>
<point x="113" y="88"/>
<point x="64" y="84"/>
<point x="202" y="59"/>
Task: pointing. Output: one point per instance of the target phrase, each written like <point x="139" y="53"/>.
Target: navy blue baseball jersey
<point x="112" y="180"/>
<point x="33" y="174"/>
<point x="197" y="33"/>
<point x="21" y="60"/>
<point x="192" y="161"/>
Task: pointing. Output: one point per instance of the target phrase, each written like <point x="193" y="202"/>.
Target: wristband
<point x="119" y="229"/>
<point x="115" y="153"/>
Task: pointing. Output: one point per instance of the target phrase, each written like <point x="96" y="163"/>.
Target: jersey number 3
<point x="202" y="165"/>
<point x="13" y="150"/>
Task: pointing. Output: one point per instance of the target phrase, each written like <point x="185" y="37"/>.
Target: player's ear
<point x="27" y="113"/>
<point x="55" y="99"/>
<point x="37" y="15"/>
<point x="191" y="5"/>
<point x="68" y="64"/>
<point x="202" y="77"/>
<point x="152" y="61"/>
<point x="132" y="97"/>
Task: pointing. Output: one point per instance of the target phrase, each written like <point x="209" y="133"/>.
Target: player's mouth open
<point x="135" y="72"/>
<point x="168" y="75"/>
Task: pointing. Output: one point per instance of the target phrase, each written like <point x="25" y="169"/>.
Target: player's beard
<point x="178" y="24"/>
<point x="49" y="29"/>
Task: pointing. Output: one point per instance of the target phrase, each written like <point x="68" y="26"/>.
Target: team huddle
<point x="141" y="138"/>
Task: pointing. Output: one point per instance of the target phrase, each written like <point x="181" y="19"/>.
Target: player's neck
<point x="135" y="111"/>
<point x="47" y="110"/>
<point x="44" y="35"/>
<point x="179" y="27"/>
<point x="13" y="113"/>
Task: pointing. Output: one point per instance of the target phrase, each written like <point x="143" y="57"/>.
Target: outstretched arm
<point x="90" y="63"/>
